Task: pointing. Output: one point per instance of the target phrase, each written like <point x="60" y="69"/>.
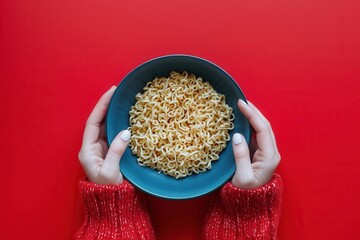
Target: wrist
<point x="250" y="183"/>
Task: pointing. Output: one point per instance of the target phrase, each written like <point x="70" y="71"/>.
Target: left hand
<point x="253" y="174"/>
<point x="100" y="163"/>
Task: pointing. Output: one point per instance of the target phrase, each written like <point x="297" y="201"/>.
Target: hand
<point x="100" y="163"/>
<point x="253" y="174"/>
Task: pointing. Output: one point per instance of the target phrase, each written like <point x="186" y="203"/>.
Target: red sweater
<point x="118" y="212"/>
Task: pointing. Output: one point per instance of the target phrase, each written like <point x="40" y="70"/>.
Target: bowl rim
<point x="125" y="78"/>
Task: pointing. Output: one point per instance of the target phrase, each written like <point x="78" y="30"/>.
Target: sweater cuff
<point x="253" y="202"/>
<point x="113" y="211"/>
<point x="96" y="194"/>
<point x="101" y="201"/>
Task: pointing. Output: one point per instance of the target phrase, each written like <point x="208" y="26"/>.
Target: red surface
<point x="298" y="61"/>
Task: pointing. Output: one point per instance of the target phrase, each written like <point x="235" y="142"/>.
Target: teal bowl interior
<point x="117" y="119"/>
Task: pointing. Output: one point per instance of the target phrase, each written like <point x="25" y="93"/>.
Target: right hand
<point x="100" y="163"/>
<point x="253" y="174"/>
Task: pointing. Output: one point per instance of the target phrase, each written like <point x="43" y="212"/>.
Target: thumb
<point x="244" y="175"/>
<point x="110" y="168"/>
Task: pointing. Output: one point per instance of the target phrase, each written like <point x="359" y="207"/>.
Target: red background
<point x="298" y="61"/>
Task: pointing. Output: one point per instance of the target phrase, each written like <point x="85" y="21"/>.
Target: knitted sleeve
<point x="236" y="213"/>
<point x="113" y="212"/>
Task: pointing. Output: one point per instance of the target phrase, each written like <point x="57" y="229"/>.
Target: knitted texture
<point x="236" y="213"/>
<point x="113" y="212"/>
<point x="117" y="212"/>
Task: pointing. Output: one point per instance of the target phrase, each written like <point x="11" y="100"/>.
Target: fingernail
<point x="243" y="102"/>
<point x="125" y="135"/>
<point x="113" y="87"/>
<point x="237" y="139"/>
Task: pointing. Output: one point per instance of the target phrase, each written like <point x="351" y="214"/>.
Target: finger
<point x="263" y="135"/>
<point x="244" y="176"/>
<point x="265" y="120"/>
<point x="93" y="124"/>
<point x="117" y="148"/>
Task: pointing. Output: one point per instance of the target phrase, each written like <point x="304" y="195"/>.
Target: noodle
<point x="179" y="125"/>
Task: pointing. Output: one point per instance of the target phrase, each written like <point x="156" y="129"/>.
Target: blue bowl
<point x="117" y="119"/>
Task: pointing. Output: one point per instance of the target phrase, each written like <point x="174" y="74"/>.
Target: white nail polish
<point x="237" y="139"/>
<point x="125" y="135"/>
<point x="243" y="102"/>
